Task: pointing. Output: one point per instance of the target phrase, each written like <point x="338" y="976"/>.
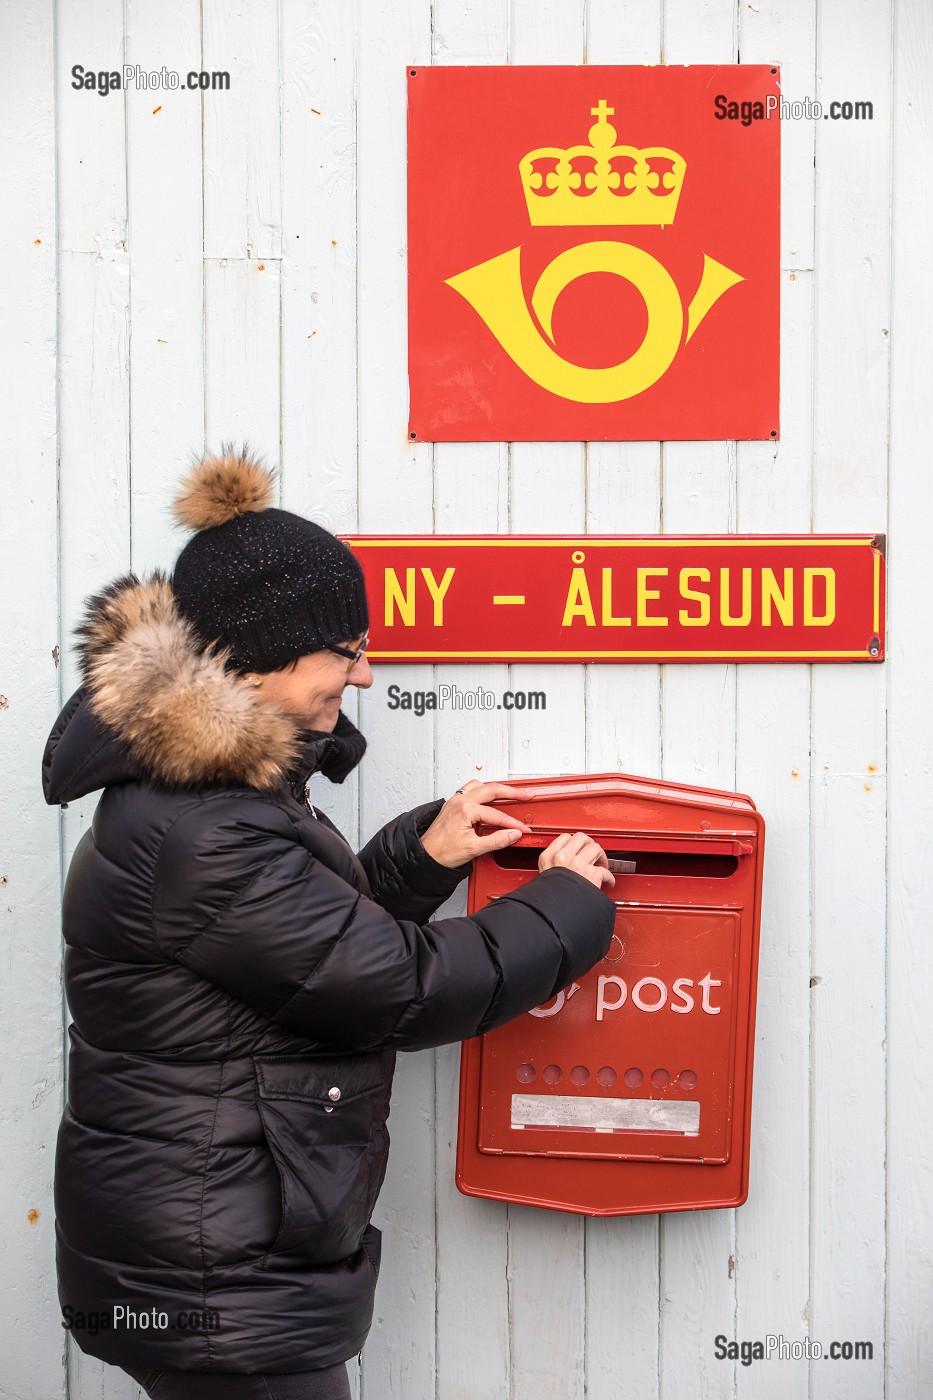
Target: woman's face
<point x="311" y="691"/>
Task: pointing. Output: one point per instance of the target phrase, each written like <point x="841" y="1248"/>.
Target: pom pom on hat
<point x="223" y="486"/>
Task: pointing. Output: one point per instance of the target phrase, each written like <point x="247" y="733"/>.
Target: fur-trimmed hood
<point x="172" y="709"/>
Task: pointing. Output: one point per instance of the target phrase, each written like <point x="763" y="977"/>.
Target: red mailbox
<point x="631" y="1090"/>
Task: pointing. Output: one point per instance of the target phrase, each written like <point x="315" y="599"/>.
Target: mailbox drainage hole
<point x="525" y="1074"/>
<point x="633" y="1078"/>
<point x="606" y="1076"/>
<point x="687" y="1079"/>
<point x="552" y="1074"/>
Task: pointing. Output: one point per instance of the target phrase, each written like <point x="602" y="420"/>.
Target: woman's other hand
<point x="581" y="853"/>
<point x="451" y="839"/>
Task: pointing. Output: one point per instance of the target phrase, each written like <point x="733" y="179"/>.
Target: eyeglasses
<point x="352" y="654"/>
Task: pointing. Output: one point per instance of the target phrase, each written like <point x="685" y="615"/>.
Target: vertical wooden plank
<point x="784" y="32"/>
<point x="319" y="204"/>
<point x="29" y="893"/>
<point x="772" y="764"/>
<point x="93" y="376"/>
<point x="852" y="319"/>
<point x="241" y="329"/>
<point x="242" y="226"/>
<point x="319" y="201"/>
<point x="622" y="734"/>
<point x="94" y="503"/>
<point x="166" y="281"/>
<point x="93" y="337"/>
<point x="94" y="491"/>
<point x="471" y="483"/>
<point x="90" y="130"/>
<point x="909" y="1271"/>
<point x="395" y="494"/>
<point x="389" y="464"/>
<point x="242" y="130"/>
<point x="548" y="31"/>
<point x="698" y="738"/>
<point x="474" y="31"/>
<point x="546" y="1248"/>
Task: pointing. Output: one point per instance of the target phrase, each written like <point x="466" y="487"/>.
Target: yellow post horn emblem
<point x="494" y="290"/>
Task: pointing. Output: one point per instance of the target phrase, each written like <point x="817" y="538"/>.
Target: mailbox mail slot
<point x="630" y="1091"/>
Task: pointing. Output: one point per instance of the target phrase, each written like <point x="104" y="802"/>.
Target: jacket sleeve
<point x="404" y="879"/>
<point x="244" y="905"/>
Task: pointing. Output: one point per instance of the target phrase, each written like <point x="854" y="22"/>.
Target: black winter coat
<point x="239" y="982"/>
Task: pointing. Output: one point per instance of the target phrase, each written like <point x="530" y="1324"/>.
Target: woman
<point x="239" y="980"/>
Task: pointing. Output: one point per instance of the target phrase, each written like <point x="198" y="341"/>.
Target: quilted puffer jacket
<point x="239" y="981"/>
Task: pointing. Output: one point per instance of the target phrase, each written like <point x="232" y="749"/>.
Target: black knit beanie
<point x="268" y="585"/>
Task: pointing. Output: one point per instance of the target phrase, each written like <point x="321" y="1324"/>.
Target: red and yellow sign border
<point x="873" y="650"/>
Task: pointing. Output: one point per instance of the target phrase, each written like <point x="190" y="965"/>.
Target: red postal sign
<point x="624" y="598"/>
<point x="593" y="252"/>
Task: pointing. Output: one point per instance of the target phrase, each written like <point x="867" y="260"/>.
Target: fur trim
<point x="172" y="703"/>
<point x="221" y="487"/>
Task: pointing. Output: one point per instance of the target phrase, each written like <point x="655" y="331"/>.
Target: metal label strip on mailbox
<point x="604" y="1115"/>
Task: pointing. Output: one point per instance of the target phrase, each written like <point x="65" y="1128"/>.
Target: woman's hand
<point x="581" y="853"/>
<point x="451" y="839"/>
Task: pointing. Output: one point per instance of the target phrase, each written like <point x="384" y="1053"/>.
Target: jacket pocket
<point x="324" y="1123"/>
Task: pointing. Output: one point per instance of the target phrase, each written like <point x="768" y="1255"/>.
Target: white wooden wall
<point x="236" y="266"/>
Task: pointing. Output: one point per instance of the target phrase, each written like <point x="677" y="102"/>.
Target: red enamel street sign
<point x="624" y="598"/>
<point x="593" y="252"/>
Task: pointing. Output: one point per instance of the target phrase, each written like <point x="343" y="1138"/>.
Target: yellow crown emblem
<point x="602" y="203"/>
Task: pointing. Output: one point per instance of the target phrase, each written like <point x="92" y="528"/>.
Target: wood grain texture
<point x="320" y="420"/>
<point x="772" y="1255"/>
<point x="242" y="128"/>
<point x="909" y="1154"/>
<point x="773" y="492"/>
<point x="848" y="729"/>
<point x="166" y="248"/>
<point x="30" y="989"/>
